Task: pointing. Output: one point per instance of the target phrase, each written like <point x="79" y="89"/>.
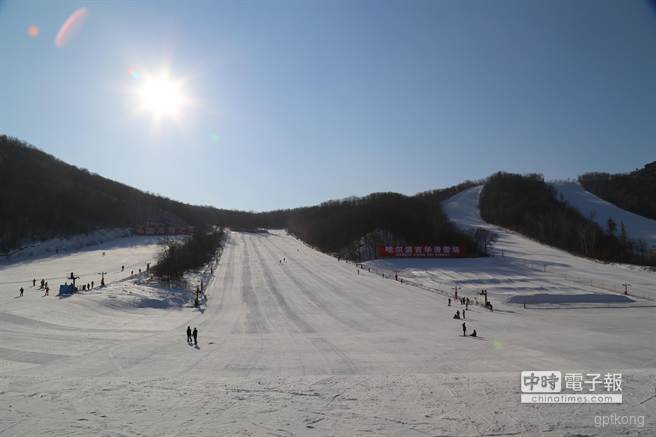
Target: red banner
<point x="421" y="251"/>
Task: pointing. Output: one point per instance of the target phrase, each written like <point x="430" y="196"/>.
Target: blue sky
<point x="297" y="102"/>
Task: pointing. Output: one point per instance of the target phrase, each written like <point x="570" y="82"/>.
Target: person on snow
<point x="457" y="315"/>
<point x="21" y="291"/>
<point x="473" y="334"/>
<point x="34" y="282"/>
<point x="464" y="329"/>
<point x="189" y="334"/>
<point x="463" y="314"/>
<point x="449" y="301"/>
<point x="195" y="334"/>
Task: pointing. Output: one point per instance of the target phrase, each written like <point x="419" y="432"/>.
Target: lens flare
<point x="70" y="27"/>
<point x="134" y="73"/>
<point x="33" y="31"/>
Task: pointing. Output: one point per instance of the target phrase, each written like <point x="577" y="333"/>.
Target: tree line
<point x="43" y="197"/>
<point x="635" y="191"/>
<point x="526" y="204"/>
<point x="192" y="253"/>
<point x="381" y="218"/>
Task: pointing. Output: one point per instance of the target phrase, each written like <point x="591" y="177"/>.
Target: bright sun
<point x="161" y="96"/>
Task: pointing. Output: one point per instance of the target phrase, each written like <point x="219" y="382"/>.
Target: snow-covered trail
<point x="637" y="227"/>
<point x="309" y="346"/>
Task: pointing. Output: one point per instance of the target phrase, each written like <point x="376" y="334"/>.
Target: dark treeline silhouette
<point x="336" y="225"/>
<point x="526" y="204"/>
<point x="42" y="197"/>
<point x="442" y="194"/>
<point x="193" y="253"/>
<point x="635" y="191"/>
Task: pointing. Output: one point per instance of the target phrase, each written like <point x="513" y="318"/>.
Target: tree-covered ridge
<point x="336" y="225"/>
<point x="43" y="197"/>
<point x="526" y="204"/>
<point x="635" y="191"/>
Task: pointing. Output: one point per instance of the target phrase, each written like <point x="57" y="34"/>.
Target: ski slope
<point x="302" y="347"/>
<point x="520" y="266"/>
<point x="637" y="227"/>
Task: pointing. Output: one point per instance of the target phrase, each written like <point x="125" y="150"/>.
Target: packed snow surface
<point x="637" y="227"/>
<point x="306" y="346"/>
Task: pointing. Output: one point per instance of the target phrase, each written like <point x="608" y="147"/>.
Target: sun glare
<point x="161" y="96"/>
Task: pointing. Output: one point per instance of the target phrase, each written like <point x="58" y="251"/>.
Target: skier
<point x="463" y="314"/>
<point x="91" y="284"/>
<point x="122" y="268"/>
<point x="396" y="276"/>
<point x="467" y="304"/>
<point x="195" y="334"/>
<point x="449" y="301"/>
<point x="189" y="334"/>
<point x="42" y="283"/>
<point x="464" y="329"/>
<point x="21" y="291"/>
<point x="33" y="282"/>
<point x="47" y="291"/>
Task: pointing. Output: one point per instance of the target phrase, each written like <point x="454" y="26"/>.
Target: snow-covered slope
<point x="519" y="265"/>
<point x="637" y="227"/>
<point x="307" y="346"/>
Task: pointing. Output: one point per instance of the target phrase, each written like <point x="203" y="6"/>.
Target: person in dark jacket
<point x="189" y="334"/>
<point x="195" y="334"/>
<point x="464" y="329"/>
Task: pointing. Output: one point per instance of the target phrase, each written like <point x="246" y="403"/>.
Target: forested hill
<point x="635" y="191"/>
<point x="43" y="197"/>
<point x="526" y="204"/>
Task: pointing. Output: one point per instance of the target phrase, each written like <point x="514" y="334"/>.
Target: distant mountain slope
<point x="526" y="204"/>
<point x="633" y="226"/>
<point x="43" y="197"/>
<point x="635" y="191"/>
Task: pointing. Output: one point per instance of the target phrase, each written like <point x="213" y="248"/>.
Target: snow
<point x="637" y="227"/>
<point x="309" y="347"/>
<point x="55" y="246"/>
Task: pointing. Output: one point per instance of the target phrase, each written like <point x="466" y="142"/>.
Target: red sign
<point x="421" y="251"/>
